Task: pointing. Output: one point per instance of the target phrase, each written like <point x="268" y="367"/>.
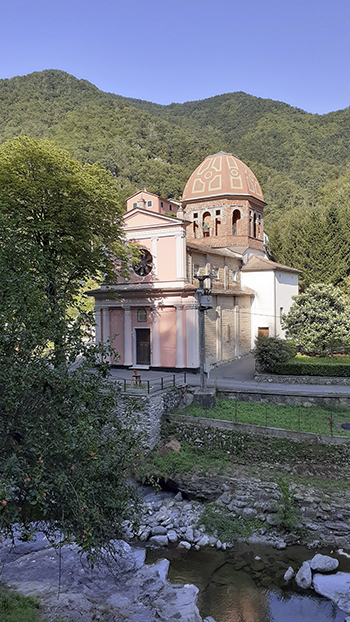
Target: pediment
<point x="146" y="218"/>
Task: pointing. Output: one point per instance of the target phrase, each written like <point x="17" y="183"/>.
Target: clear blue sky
<point x="296" y="51"/>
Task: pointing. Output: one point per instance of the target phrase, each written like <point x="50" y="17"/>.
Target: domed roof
<point x="222" y="174"/>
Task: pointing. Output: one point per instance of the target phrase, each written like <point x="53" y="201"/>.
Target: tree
<point x="319" y="320"/>
<point x="64" y="456"/>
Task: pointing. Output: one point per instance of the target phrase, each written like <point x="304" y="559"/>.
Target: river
<point x="245" y="584"/>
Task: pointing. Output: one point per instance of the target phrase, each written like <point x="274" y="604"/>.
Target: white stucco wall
<point x="286" y="287"/>
<point x="262" y="308"/>
<point x="273" y="292"/>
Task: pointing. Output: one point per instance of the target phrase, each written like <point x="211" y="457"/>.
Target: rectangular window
<point x="195" y="271"/>
<point x="161" y="204"/>
<point x="195" y="215"/>
<point x="149" y="203"/>
<point x="218" y="212"/>
<point x="234" y="276"/>
<point x="281" y="313"/>
<point x="215" y="273"/>
<point x="170" y="208"/>
<point x="134" y="205"/>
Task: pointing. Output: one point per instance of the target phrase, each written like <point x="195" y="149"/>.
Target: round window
<point x="144" y="264"/>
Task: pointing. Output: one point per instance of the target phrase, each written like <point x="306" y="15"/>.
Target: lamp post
<point x="205" y="302"/>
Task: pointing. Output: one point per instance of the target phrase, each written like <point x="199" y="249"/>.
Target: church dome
<point x="222" y="174"/>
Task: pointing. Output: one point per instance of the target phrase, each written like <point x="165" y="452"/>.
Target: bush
<point x="272" y="351"/>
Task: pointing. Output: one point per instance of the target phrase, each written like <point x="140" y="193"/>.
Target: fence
<point x="152" y="385"/>
<point x="256" y="409"/>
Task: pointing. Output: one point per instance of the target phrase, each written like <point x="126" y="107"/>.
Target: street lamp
<point x="205" y="302"/>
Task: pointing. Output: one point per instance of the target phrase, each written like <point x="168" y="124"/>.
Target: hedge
<point x="307" y="369"/>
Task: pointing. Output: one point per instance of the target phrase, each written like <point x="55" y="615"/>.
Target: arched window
<point x="236" y="217"/>
<point x="254" y="225"/>
<point x="206" y="224"/>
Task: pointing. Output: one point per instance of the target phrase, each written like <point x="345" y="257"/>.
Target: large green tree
<point x="69" y="213"/>
<point x="64" y="456"/>
<point x="319" y="320"/>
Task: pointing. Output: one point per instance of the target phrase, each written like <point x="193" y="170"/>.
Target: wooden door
<point x="143" y="346"/>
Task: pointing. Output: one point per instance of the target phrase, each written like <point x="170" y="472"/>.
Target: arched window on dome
<point x="236" y="225"/>
<point x="206" y="224"/>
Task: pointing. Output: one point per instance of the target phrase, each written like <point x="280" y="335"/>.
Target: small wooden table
<point x="136" y="380"/>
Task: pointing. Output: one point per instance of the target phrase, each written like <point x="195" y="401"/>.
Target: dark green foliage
<point x="225" y="526"/>
<point x="287" y="509"/>
<point x="17" y="608"/>
<point x="64" y="457"/>
<point x="301" y="160"/>
<point x="272" y="351"/>
<point x="319" y="320"/>
<point x="302" y="368"/>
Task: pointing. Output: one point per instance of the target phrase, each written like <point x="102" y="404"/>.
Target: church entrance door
<point x="143" y="346"/>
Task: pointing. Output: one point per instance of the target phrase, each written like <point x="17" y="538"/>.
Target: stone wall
<point x="257" y="444"/>
<point x="264" y="397"/>
<point x="321" y="380"/>
<point x="144" y="412"/>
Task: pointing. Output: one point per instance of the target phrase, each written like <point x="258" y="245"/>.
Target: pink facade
<point x="152" y="318"/>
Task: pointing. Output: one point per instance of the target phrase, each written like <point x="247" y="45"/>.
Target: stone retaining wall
<point x="256" y="443"/>
<point x="262" y="396"/>
<point x="144" y="412"/>
<point x="320" y="380"/>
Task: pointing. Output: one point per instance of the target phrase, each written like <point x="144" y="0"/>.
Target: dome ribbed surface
<point x="222" y="174"/>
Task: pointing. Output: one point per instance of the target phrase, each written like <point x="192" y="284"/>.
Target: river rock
<point x="304" y="576"/>
<point x="159" y="531"/>
<point x="336" y="587"/>
<point x="184" y="545"/>
<point x="172" y="536"/>
<point x="204" y="541"/>
<point x="159" y="540"/>
<point x="323" y="563"/>
<point x="183" y="602"/>
<point x="289" y="574"/>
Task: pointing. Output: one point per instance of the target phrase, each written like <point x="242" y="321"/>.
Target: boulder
<point x="304" y="576"/>
<point x="289" y="574"/>
<point x="172" y="536"/>
<point x="159" y="531"/>
<point x="159" y="540"/>
<point x="323" y="563"/>
<point x="184" y="545"/>
<point x="336" y="587"/>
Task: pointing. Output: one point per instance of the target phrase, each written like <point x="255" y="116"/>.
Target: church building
<point x="217" y="230"/>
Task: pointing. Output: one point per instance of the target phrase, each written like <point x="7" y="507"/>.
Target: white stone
<point x="323" y="563"/>
<point x="304" y="576"/>
<point x="184" y="545"/>
<point x="204" y="541"/>
<point x="336" y="587"/>
<point x="172" y="536"/>
<point x="159" y="540"/>
<point x="288" y="575"/>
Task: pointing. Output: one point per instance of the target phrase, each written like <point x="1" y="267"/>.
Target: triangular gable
<point x="146" y="218"/>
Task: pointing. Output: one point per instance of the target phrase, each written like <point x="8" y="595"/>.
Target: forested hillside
<point x="302" y="160"/>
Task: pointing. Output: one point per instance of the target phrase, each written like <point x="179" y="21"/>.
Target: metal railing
<point x="154" y="384"/>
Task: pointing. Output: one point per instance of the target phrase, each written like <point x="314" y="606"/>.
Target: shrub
<point x="272" y="351"/>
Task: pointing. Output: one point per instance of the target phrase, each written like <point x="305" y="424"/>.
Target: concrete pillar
<point x="181" y="256"/>
<point x="155" y="257"/>
<point x="98" y="331"/>
<point x="180" y="351"/>
<point x="192" y="346"/>
<point x="155" y="346"/>
<point x="127" y="337"/>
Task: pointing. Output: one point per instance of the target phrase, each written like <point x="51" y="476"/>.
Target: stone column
<point x="98" y="331"/>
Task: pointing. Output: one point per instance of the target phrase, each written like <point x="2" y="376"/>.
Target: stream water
<point x="244" y="584"/>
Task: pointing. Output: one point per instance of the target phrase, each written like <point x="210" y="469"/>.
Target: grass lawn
<point x="306" y="419"/>
<point x="337" y="359"/>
